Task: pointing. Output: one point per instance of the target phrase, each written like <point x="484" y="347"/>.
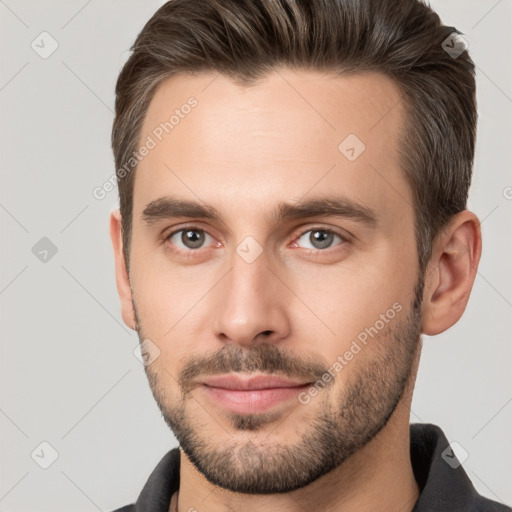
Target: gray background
<point x="68" y="373"/>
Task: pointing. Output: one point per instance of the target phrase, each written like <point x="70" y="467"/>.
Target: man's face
<point x="266" y="287"/>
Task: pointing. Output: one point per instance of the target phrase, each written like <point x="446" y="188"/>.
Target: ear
<point x="451" y="273"/>
<point x="122" y="279"/>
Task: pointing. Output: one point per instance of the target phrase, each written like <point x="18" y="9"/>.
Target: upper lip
<point x="231" y="381"/>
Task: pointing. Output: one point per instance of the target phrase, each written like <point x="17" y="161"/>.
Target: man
<point x="293" y="178"/>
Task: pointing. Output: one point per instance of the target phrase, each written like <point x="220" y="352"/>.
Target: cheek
<point x="172" y="310"/>
<point x="338" y="306"/>
<point x="152" y="298"/>
<point x="162" y="293"/>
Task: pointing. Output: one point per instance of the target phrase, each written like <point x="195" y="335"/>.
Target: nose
<point x="251" y="304"/>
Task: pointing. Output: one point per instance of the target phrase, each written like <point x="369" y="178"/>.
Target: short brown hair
<point x="246" y="39"/>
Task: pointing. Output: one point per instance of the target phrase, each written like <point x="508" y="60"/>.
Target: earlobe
<point x="451" y="273"/>
<point x="122" y="278"/>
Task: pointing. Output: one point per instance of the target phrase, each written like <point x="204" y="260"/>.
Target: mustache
<point x="264" y="358"/>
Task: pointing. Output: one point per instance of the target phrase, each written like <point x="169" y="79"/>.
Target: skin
<point x="292" y="310"/>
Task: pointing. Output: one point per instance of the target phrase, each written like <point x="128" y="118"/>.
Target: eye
<point x="320" y="238"/>
<point x="189" y="238"/>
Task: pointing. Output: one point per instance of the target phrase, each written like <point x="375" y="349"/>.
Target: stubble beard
<point x="362" y="408"/>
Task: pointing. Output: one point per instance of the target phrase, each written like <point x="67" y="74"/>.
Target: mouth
<point x="253" y="394"/>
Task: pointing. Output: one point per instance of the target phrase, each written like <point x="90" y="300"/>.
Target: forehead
<point x="293" y="133"/>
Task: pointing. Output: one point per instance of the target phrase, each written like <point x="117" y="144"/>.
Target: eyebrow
<point x="166" y="208"/>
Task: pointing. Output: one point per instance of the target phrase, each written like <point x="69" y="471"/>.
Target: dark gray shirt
<point x="444" y="485"/>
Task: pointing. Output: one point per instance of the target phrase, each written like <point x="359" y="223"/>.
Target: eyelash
<point x="296" y="236"/>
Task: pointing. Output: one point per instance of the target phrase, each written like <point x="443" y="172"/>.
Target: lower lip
<point x="252" y="401"/>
